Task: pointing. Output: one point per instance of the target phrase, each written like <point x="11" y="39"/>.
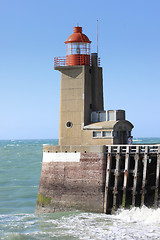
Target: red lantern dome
<point x="77" y="48"/>
<point x="77" y="36"/>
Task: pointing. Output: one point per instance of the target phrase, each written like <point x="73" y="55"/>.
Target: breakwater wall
<point x="72" y="177"/>
<point x="98" y="178"/>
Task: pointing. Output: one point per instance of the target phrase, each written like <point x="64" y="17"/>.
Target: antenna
<point x="97" y="37"/>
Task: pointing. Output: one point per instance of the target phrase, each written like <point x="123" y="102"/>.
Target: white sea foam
<point x="137" y="140"/>
<point x="123" y="225"/>
<point x="144" y="215"/>
<point x="132" y="224"/>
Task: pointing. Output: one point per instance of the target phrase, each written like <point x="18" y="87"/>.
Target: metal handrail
<point x="151" y="148"/>
<point x="61" y="62"/>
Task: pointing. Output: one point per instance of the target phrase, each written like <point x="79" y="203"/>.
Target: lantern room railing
<point x="61" y="62"/>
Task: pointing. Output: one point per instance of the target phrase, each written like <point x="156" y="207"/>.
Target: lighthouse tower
<point x="83" y="120"/>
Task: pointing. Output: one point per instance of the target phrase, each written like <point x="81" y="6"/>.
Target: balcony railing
<point x="61" y="62"/>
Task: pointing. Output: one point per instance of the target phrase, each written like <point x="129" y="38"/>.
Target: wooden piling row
<point x="132" y="176"/>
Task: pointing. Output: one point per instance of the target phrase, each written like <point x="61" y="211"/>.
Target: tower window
<point x="107" y="133"/>
<point x="69" y="124"/>
<point x="97" y="134"/>
<point x="103" y="134"/>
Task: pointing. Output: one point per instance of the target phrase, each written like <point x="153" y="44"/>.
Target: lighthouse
<point x="94" y="167"/>
<point x="83" y="120"/>
<point x="73" y="173"/>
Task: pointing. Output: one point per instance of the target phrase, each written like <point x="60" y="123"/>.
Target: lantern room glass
<point x="78" y="48"/>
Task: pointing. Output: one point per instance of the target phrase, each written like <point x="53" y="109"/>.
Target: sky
<point x="32" y="33"/>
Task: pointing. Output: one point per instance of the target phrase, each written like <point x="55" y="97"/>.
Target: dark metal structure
<point x="132" y="176"/>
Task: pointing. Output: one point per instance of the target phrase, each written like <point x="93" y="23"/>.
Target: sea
<point x="20" y="168"/>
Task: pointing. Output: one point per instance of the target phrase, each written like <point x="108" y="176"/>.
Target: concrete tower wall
<point x="81" y="93"/>
<point x="75" y="100"/>
<point x="87" y="96"/>
<point x="71" y="105"/>
<point x="97" y="85"/>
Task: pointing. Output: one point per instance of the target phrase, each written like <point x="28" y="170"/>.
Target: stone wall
<point x="66" y="184"/>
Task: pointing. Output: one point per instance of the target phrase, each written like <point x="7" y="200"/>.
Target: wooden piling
<point x="125" y="177"/>
<point x="116" y="174"/>
<point x="135" y="176"/>
<point x="108" y="169"/>
<point x="157" y="180"/>
<point x="144" y="175"/>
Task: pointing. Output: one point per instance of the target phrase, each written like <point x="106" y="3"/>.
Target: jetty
<point x="94" y="167"/>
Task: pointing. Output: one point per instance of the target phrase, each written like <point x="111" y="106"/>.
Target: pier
<point x="132" y="176"/>
<point x="99" y="178"/>
<point x="93" y="169"/>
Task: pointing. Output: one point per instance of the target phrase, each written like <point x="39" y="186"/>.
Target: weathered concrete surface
<point x="73" y="185"/>
<point x="81" y="94"/>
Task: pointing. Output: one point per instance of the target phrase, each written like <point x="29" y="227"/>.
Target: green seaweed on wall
<point x="43" y="200"/>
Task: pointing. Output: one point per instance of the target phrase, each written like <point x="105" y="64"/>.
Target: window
<point x="97" y="134"/>
<point x="78" y="48"/>
<point x="103" y="134"/>
<point x="107" y="134"/>
<point x="69" y="124"/>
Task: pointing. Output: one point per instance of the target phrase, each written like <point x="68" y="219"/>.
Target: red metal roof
<point x="77" y="36"/>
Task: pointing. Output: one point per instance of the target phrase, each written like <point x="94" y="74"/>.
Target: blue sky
<point x="33" y="33"/>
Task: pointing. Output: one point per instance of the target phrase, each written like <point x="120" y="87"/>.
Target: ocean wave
<point x="12" y="145"/>
<point x="144" y="215"/>
<point x="76" y="225"/>
<point x="137" y="140"/>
